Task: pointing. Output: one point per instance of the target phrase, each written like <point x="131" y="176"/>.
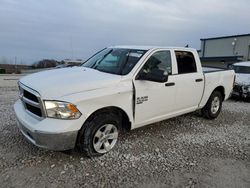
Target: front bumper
<point x="241" y="95"/>
<point x="54" y="139"/>
<point x="238" y="91"/>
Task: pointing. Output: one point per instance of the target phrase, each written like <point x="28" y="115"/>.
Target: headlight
<point x="61" y="110"/>
<point x="245" y="89"/>
<point x="248" y="88"/>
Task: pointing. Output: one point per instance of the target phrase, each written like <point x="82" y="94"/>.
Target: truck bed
<point x="216" y="77"/>
<point x="212" y="69"/>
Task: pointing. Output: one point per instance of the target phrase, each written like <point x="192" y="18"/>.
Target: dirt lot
<point x="187" y="151"/>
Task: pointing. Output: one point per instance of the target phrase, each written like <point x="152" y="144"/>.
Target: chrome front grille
<point x="31" y="100"/>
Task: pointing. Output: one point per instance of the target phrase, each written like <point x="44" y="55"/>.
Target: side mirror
<point x="156" y="75"/>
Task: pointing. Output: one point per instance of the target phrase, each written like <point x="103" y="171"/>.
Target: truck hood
<point x="56" y="83"/>
<point x="242" y="79"/>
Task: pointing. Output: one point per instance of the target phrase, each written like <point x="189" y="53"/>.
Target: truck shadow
<point x="239" y="99"/>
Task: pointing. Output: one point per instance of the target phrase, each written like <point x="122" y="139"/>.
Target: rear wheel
<point x="213" y="107"/>
<point x="99" y="135"/>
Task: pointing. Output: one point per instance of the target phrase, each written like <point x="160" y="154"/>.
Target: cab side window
<point x="159" y="60"/>
<point x="185" y="62"/>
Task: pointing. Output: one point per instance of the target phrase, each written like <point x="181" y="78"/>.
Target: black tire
<point x="207" y="109"/>
<point x="87" y="132"/>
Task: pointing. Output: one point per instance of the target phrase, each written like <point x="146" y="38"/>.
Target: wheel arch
<point x="209" y="92"/>
<point x="221" y="89"/>
<point x="126" y="123"/>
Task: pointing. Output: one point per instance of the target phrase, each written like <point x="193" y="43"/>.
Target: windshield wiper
<point x="94" y="66"/>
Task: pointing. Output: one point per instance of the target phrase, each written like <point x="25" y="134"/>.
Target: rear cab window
<point x="185" y="62"/>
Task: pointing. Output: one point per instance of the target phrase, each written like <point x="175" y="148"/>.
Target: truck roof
<point x="245" y="63"/>
<point x="149" y="47"/>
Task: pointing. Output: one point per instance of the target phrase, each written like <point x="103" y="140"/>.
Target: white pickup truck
<point x="242" y="80"/>
<point x="120" y="87"/>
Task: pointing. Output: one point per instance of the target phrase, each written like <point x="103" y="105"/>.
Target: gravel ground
<point x="186" y="151"/>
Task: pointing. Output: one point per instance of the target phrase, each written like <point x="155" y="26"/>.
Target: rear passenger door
<point x="189" y="82"/>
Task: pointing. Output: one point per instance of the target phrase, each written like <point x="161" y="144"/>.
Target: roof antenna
<point x="187" y="46"/>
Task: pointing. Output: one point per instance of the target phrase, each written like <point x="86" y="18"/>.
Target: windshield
<point x="115" y="60"/>
<point x="241" y="69"/>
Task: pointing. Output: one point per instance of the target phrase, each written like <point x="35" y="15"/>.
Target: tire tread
<point x="206" y="110"/>
<point x="84" y="140"/>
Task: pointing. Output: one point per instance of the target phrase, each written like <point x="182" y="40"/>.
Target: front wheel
<point x="99" y="135"/>
<point x="213" y="107"/>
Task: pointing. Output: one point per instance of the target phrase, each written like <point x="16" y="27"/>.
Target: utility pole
<point x="71" y="48"/>
<point x="15" y="65"/>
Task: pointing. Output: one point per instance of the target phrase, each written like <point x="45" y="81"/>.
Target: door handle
<point x="199" y="80"/>
<point x="169" y="84"/>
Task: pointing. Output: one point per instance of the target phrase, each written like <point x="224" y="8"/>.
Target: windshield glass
<point x="115" y="60"/>
<point x="241" y="69"/>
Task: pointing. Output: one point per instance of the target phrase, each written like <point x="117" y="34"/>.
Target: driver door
<point x="154" y="100"/>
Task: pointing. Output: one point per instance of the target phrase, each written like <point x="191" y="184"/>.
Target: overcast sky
<point x="35" y="29"/>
